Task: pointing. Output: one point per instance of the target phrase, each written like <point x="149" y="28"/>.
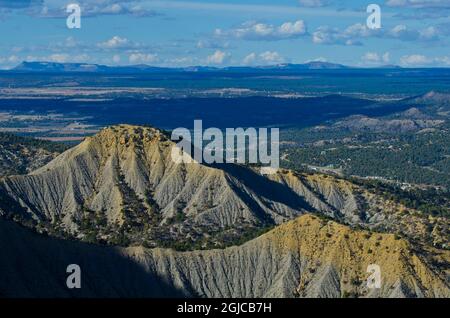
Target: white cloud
<point x="374" y="58"/>
<point x="114" y="8"/>
<point x="430" y="33"/>
<point x="181" y="61"/>
<point x="219" y="57"/>
<point x="66" y="58"/>
<point x="114" y="43"/>
<point x="422" y="60"/>
<point x="290" y="29"/>
<point x="371" y="57"/>
<point x="415" y="60"/>
<point x="268" y="32"/>
<point x="403" y="33"/>
<point x="349" y="36"/>
<point x="118" y="43"/>
<point x="143" y="58"/>
<point x="264" y="58"/>
<point x="59" y="58"/>
<point x="354" y="34"/>
<point x="271" y="57"/>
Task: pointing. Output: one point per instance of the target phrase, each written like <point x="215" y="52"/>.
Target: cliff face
<point x="306" y="257"/>
<point x="123" y="183"/>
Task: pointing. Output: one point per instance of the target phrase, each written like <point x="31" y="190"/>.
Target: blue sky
<point x="226" y="32"/>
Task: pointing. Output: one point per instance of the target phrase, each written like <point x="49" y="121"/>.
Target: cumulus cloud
<point x="114" y="43"/>
<point x="404" y="33"/>
<point x="59" y="58"/>
<point x="371" y="57"/>
<point x="430" y="33"/>
<point x="143" y="58"/>
<point x="119" y="43"/>
<point x="349" y="36"/>
<point x="267" y="57"/>
<point x="181" y="61"/>
<point x="422" y="60"/>
<point x="271" y="57"/>
<point x="375" y="58"/>
<point x="354" y="34"/>
<point x="415" y="59"/>
<point x="65" y="58"/>
<point x="218" y="57"/>
<point x="116" y="8"/>
<point x="262" y="31"/>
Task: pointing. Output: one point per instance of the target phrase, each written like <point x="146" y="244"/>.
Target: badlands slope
<point x="306" y="257"/>
<point x="120" y="187"/>
<point x="123" y="180"/>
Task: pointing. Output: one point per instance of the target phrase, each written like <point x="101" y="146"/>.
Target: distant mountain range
<point x="51" y="67"/>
